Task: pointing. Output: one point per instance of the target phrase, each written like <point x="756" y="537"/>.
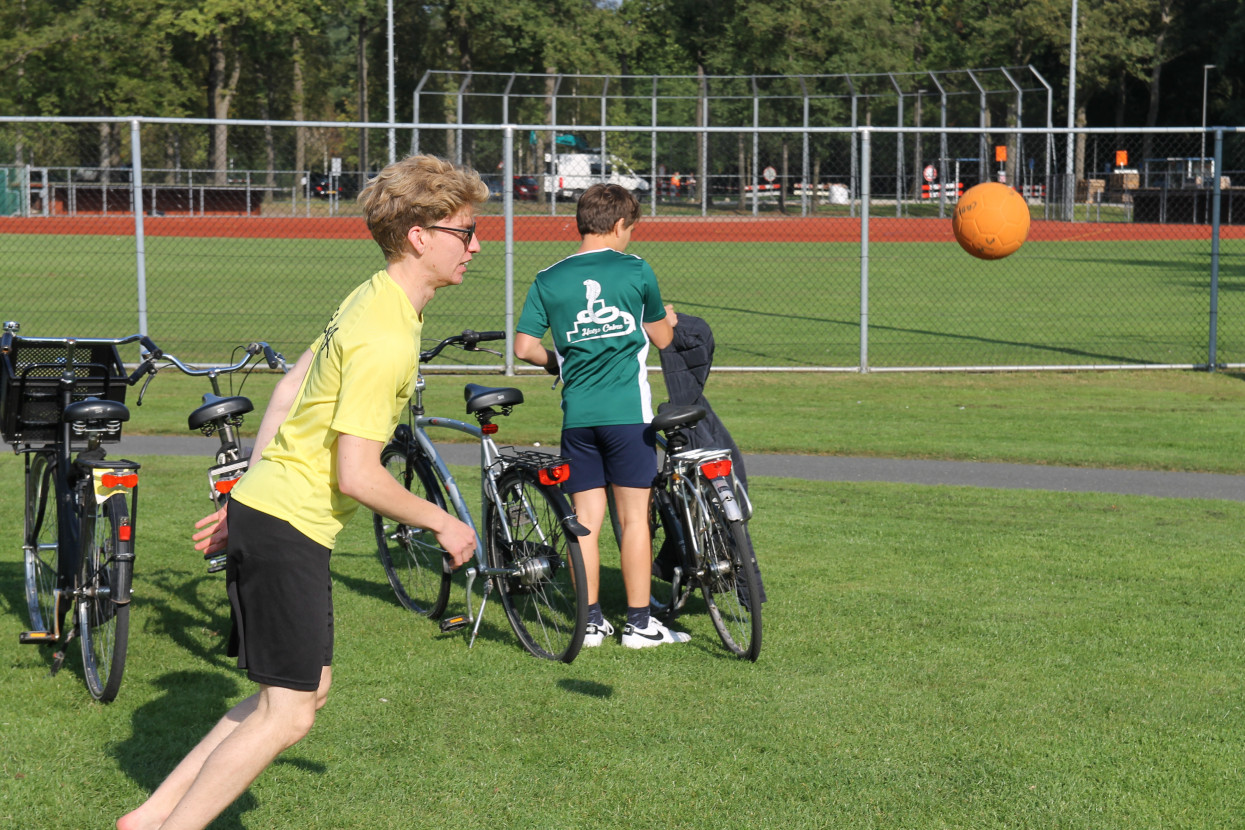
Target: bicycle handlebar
<point x="274" y="359"/>
<point x="468" y="341"/>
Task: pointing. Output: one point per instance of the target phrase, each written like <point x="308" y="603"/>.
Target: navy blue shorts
<point x="281" y="598"/>
<point x="625" y="455"/>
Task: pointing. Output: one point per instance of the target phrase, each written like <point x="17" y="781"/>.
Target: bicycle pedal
<point x="58" y="660"/>
<point x="36" y="638"/>
<point x="454" y="623"/>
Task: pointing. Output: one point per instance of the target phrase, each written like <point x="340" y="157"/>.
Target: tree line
<point x="1139" y="62"/>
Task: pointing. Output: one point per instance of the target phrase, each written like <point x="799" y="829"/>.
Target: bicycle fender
<point x="727" y="497"/>
<point x="574" y="528"/>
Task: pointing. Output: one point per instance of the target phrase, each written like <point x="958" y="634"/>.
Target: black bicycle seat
<point x="670" y="416"/>
<point x="482" y="397"/>
<point x="95" y="409"/>
<point x="215" y="408"/>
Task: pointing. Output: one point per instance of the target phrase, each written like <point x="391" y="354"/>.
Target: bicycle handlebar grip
<point x="274" y="358"/>
<point x="154" y="352"/>
<point x="490" y="335"/>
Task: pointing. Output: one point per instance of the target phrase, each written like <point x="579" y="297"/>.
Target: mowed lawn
<point x="781" y="303"/>
<point x="932" y="656"/>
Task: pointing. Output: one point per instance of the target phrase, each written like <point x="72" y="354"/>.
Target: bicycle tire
<point x="103" y="622"/>
<point x="728" y="577"/>
<point x="415" y="564"/>
<point x="40" y="550"/>
<point x="668" y="596"/>
<point x="542" y="599"/>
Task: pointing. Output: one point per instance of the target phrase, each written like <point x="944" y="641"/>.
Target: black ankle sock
<point x="594" y="614"/>
<point x="637" y="617"/>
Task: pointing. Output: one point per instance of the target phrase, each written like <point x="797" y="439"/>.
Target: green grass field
<point x="770" y="304"/>
<point x="933" y="656"/>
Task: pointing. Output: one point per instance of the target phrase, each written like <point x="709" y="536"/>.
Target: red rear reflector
<point x="125" y="533"/>
<point x="226" y="486"/>
<point x="555" y="475"/>
<point x="488" y="429"/>
<point x="129" y="480"/>
<point x="716" y="469"/>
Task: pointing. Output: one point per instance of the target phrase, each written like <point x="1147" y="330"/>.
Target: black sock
<point x="637" y="617"/>
<point x="595" y="617"/>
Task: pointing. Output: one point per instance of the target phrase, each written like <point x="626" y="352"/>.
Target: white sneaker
<point x="596" y="634"/>
<point x="655" y="635"/>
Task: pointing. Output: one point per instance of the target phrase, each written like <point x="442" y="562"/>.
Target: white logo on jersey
<point x="598" y="321"/>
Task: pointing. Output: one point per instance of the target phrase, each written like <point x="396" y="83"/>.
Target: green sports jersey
<point x="595" y="305"/>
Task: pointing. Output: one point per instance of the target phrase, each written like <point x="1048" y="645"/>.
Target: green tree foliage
<point x="1138" y="60"/>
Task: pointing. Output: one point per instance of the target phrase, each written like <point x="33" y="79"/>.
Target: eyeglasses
<point x="466" y="233"/>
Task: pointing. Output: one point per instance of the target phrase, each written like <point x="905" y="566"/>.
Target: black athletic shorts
<point x="281" y="596"/>
<point x="625" y="455"/>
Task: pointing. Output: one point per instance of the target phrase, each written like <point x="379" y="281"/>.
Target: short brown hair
<point x="418" y="190"/>
<point x="602" y="205"/>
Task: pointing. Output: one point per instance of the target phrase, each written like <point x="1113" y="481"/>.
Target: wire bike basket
<point x="30" y="397"/>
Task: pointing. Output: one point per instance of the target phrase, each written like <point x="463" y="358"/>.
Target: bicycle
<point x="60" y="395"/>
<point x="529" y="550"/>
<point x="698" y="518"/>
<point x="222" y="416"/>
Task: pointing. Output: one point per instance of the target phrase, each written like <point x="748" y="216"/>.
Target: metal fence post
<point x="865" y="195"/>
<point x="507" y="190"/>
<point x="140" y="240"/>
<point x="1212" y="351"/>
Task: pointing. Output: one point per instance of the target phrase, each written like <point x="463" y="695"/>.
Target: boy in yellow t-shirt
<point x="317" y="458"/>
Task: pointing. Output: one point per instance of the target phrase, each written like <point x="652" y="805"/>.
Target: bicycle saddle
<point x="482" y="397"/>
<point x="670" y="416"/>
<point x="215" y="408"/>
<point x="95" y="409"/>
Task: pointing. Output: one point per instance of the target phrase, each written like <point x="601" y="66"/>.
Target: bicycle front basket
<point x="30" y="402"/>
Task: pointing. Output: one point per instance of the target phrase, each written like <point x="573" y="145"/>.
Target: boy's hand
<point x="213" y="533"/>
<point x="551" y="362"/>
<point x="671" y="317"/>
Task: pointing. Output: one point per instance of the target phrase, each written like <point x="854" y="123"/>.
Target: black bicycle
<point x="222" y="415"/>
<point x="699" y="521"/>
<point x="61" y="396"/>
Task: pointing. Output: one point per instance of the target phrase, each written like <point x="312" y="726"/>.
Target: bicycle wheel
<point x="412" y="559"/>
<point x="103" y="624"/>
<point x="728" y="577"/>
<point x="671" y="571"/>
<point x="528" y="538"/>
<point x="42" y="531"/>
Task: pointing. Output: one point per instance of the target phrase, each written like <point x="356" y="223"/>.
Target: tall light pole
<point x="1069" y="166"/>
<point x="1202" y="160"/>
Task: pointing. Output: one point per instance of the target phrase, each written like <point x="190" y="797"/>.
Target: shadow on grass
<point x="179" y="612"/>
<point x="168" y="727"/>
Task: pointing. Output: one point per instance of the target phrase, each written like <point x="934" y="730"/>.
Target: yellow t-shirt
<point x="359" y="383"/>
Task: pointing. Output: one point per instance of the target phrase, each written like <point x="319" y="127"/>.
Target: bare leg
<point x="590" y="510"/>
<point x="229" y="758"/>
<point x="636" y="545"/>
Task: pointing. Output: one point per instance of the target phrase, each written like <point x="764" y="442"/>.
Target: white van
<point x="576" y="172"/>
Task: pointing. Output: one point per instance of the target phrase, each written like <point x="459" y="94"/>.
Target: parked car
<point x="322" y="185"/>
<point x="525" y="187"/>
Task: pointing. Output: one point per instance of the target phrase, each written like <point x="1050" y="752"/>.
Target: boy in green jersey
<point x="603" y="309"/>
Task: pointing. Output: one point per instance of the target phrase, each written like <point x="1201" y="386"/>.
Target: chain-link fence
<point x="819" y="247"/>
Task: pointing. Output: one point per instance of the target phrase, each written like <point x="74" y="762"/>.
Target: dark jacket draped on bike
<point x="685" y="363"/>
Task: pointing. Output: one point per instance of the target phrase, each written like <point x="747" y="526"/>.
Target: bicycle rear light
<point x="224" y="487"/>
<point x="555" y="475"/>
<point x="716" y="469"/>
<point x="489" y="429"/>
<point x="125" y="532"/>
<point x="126" y="480"/>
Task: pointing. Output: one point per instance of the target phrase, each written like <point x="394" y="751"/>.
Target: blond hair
<point x="418" y="190"/>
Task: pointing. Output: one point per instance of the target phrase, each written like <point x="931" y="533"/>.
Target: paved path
<point x="835" y="468"/>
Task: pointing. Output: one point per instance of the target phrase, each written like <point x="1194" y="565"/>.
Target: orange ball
<point x="991" y="220"/>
